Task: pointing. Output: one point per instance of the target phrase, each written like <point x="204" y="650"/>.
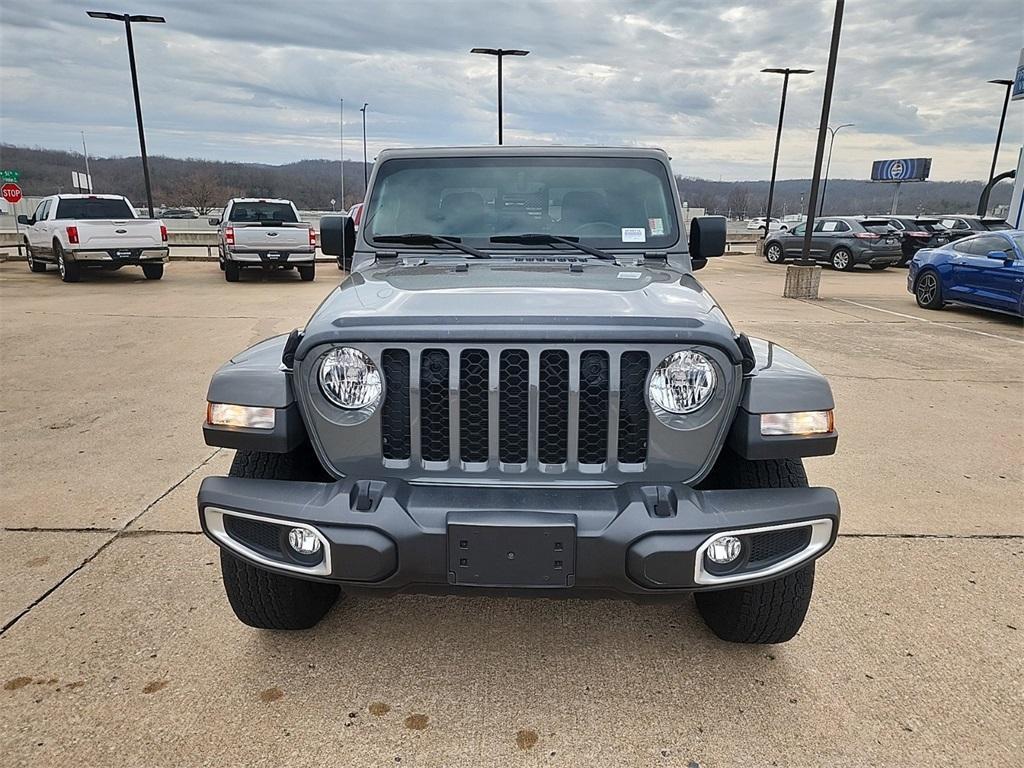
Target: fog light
<point x="251" y="417"/>
<point x="303" y="541"/>
<point x="724" y="549"/>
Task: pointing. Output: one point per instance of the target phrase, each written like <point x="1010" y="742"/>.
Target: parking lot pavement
<point x="121" y="648"/>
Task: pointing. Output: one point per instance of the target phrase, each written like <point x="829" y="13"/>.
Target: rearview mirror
<point x="23" y="219"/>
<point x="1000" y="255"/>
<point x="337" y="236"/>
<point x="213" y="221"/>
<point x="707" y="239"/>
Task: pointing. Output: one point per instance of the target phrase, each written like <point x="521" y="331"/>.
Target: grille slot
<point x="514" y="406"/>
<point x="473" y="405"/>
<point x="263" y="537"/>
<point x="773" y="546"/>
<point x="396" y="443"/>
<point x="553" y="416"/>
<point x="434" y="406"/>
<point x="593" y="424"/>
<point x="633" y="416"/>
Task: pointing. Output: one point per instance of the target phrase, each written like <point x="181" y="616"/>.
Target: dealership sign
<point x="1018" y="81"/>
<point x="906" y="169"/>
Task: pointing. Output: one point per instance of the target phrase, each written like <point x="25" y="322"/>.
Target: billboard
<point x="905" y="169"/>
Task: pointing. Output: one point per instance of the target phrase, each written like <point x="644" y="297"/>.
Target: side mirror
<point x="1000" y="255"/>
<point x="707" y="239"/>
<point x="214" y="221"/>
<point x="23" y="219"/>
<point x="337" y="236"/>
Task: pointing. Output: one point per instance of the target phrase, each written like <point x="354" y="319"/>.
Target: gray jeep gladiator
<point x="521" y="389"/>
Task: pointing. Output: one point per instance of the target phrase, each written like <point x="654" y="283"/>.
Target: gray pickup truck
<point x="265" y="234"/>
<point x="521" y="389"/>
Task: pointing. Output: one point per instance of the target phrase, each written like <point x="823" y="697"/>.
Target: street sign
<point x="9" y="175"/>
<point x="911" y="169"/>
<point x="11" y="193"/>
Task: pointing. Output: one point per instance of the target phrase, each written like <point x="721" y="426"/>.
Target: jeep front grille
<point x="515" y="409"/>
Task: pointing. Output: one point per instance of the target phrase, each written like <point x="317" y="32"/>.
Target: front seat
<point x="462" y="212"/>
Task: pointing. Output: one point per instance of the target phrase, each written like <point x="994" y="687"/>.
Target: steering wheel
<point x="598" y="229"/>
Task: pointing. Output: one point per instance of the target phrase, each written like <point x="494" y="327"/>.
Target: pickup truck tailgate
<point x="107" y="234"/>
<point x="279" y="238"/>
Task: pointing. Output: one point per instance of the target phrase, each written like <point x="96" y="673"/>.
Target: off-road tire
<point x="928" y="290"/>
<point x="260" y="598"/>
<point x="153" y="271"/>
<point x="70" y="271"/>
<point x="231" y="272"/>
<point x="841" y="259"/>
<point x="774" y="254"/>
<point x="771" y="611"/>
<point x="307" y="273"/>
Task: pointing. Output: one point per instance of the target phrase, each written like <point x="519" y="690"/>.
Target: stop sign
<point x="11" y="193"/>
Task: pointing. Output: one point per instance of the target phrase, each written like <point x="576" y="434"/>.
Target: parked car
<point x="961" y="226"/>
<point x="178" y="213"/>
<point x="842" y="241"/>
<point x="264" y="234"/>
<point x="917" y="232"/>
<point x="775" y="226"/>
<point x="93" y="231"/>
<point x="984" y="270"/>
<point x="534" y="401"/>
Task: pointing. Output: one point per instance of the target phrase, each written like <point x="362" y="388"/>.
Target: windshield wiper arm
<point x="543" y="238"/>
<point x="418" y="238"/>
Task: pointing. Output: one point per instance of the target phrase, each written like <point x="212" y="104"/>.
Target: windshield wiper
<point x="422" y="238"/>
<point x="543" y="238"/>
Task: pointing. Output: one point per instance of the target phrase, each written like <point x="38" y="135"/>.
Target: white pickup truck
<point x="77" y="231"/>
<point x="265" y="233"/>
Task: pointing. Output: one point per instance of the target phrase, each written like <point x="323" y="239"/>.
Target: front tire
<point x="33" y="264"/>
<point x="842" y="259"/>
<point x="264" y="599"/>
<point x="773" y="254"/>
<point x="928" y="290"/>
<point x="771" y="611"/>
<point x="153" y="271"/>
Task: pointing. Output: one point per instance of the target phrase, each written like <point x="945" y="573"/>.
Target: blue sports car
<point x="985" y="270"/>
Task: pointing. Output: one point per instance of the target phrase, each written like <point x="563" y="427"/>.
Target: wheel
<point x="153" y="271"/>
<point x="260" y="598"/>
<point x="842" y="259"/>
<point x="879" y="267"/>
<point x="928" y="290"/>
<point x="231" y="271"/>
<point x="771" y="611"/>
<point x="773" y="253"/>
<point x="70" y="272"/>
<point x="33" y="263"/>
<point x="307" y="273"/>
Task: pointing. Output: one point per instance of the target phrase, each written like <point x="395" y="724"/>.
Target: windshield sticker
<point x="634" y="235"/>
<point x="629" y="275"/>
<point x="656" y="227"/>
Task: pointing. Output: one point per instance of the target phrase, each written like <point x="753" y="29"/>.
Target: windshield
<point x="606" y="202"/>
<point x="1019" y="240"/>
<point x="260" y="211"/>
<point x="93" y="208"/>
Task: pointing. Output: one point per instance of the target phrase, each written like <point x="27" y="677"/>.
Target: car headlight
<point x="348" y="378"/>
<point x="683" y="382"/>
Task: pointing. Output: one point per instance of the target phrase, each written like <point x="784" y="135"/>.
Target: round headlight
<point x="349" y="378"/>
<point x="683" y="382"/>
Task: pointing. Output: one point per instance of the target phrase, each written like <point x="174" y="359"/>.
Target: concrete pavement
<point x="121" y="648"/>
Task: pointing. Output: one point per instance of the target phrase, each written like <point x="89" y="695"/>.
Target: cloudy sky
<point x="255" y="81"/>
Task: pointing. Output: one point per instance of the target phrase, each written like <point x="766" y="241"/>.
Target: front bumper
<point x="129" y="256"/>
<point x="633" y="539"/>
<point x="270" y="258"/>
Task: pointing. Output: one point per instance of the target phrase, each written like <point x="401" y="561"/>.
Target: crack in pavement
<point x="117" y="533"/>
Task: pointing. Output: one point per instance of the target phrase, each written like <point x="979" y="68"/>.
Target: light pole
<point x="499" y="53"/>
<point x="128" y="19"/>
<point x="341" y="150"/>
<point x="85" y="151"/>
<point x="1002" y="119"/>
<point x="785" y="72"/>
<point x="824" y="182"/>
<point x="366" y="175"/>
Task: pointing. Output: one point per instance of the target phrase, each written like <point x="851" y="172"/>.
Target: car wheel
<point x="70" y="271"/>
<point x="842" y="259"/>
<point x="34" y="264"/>
<point x="928" y="290"/>
<point x="307" y="273"/>
<point x="231" y="272"/>
<point x="773" y="253"/>
<point x="153" y="271"/>
<point x="264" y="599"/>
<point x="771" y="611"/>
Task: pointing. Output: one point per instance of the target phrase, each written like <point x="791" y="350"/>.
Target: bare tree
<point x="200" y="190"/>
<point x="739" y="200"/>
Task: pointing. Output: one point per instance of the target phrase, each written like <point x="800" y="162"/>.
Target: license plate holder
<point x="527" y="550"/>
